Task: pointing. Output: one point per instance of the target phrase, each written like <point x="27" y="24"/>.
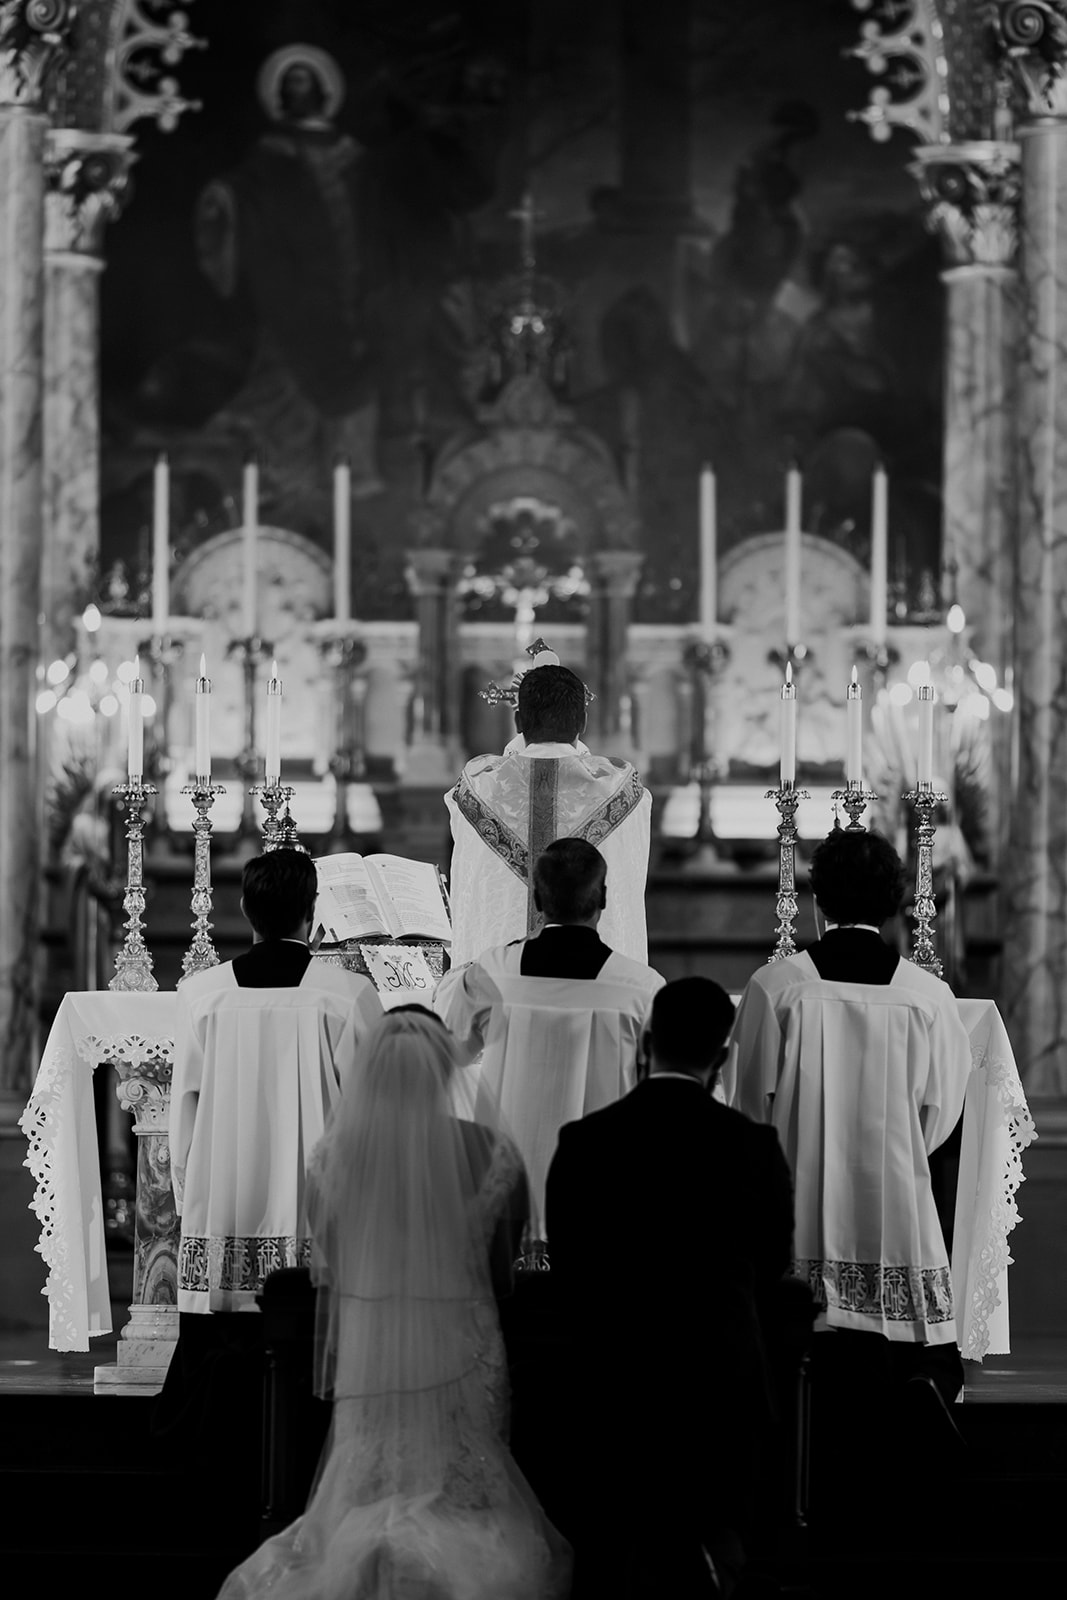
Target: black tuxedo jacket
<point x="668" y="1216"/>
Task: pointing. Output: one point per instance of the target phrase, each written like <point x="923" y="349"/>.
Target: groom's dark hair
<point x="569" y="879"/>
<point x="278" y="892"/>
<point x="691" y="1021"/>
<point x="551" y="706"/>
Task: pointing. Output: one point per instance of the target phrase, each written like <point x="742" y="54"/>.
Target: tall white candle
<point x="854" y="743"/>
<point x="792" y="556"/>
<point x="249" y="524"/>
<point x="203" y="723"/>
<point x="709" y="576"/>
<point x="342" y="540"/>
<point x="926" y="734"/>
<point x="160" y="546"/>
<point x="272" y="760"/>
<point x="879" y="554"/>
<point x="789" y="729"/>
<point x="135" y="724"/>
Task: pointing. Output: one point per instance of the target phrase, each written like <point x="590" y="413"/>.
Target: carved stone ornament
<point x="87" y="176"/>
<point x="972" y="192"/>
<point x="34" y="36"/>
<point x="902" y="45"/>
<point x="1030" y="38"/>
<point x="154" y="38"/>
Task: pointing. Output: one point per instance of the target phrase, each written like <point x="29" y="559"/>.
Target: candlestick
<point x="272" y="762"/>
<point x="342" y="540"/>
<point x="279" y="832"/>
<point x="925" y="798"/>
<point x="709" y="598"/>
<point x="202" y="700"/>
<point x="160" y="545"/>
<point x="250" y="524"/>
<point x="787" y="797"/>
<point x="925" y="762"/>
<point x="792" y="556"/>
<point x="201" y="953"/>
<point x="879" y="554"/>
<point x="133" y="964"/>
<point x="788" y="770"/>
<point x="854" y="741"/>
<point x="135" y="726"/>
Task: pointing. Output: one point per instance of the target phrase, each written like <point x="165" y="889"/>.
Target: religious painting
<point x="317" y="263"/>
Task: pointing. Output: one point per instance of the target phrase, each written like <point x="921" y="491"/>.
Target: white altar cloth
<point x="60" y="1125"/>
<point x="94" y="1027"/>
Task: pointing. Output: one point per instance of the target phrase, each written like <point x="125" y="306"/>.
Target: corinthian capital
<point x="34" y="35"/>
<point x="1030" y="39"/>
<point x="972" y="192"/>
<point x="87" y="178"/>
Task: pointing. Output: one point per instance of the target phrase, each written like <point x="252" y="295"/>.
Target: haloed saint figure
<point x="285" y="229"/>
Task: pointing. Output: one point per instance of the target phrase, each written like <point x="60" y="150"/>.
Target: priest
<point x="506" y="809"/>
<point x="557" y="1017"/>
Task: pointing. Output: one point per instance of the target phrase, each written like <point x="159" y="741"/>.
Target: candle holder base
<point x="201" y="953"/>
<point x="279" y="830"/>
<point x="787" y="798"/>
<point x="133" y="964"/>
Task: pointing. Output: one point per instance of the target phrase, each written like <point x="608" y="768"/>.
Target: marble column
<point x="146" y="1343"/>
<point x="1034" y="986"/>
<point x="86" y="179"/>
<point x="433" y="753"/>
<point x="613" y="576"/>
<point x="22" y="134"/>
<point x="972" y="194"/>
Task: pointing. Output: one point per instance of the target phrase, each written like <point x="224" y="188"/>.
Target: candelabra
<point x="201" y="952"/>
<point x="786" y="797"/>
<point x="854" y="798"/>
<point x="133" y="964"/>
<point x="345" y="653"/>
<point x="925" y="798"/>
<point x="279" y="832"/>
<point x="251" y="651"/>
<point x="705" y="660"/>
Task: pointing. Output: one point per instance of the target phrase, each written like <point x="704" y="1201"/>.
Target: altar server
<point x="558" y="1016"/>
<point x="505" y="809"/>
<point x="262" y="1047"/>
<point x="860" y="1060"/>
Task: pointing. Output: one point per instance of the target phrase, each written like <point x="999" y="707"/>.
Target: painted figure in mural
<point x="285" y="227"/>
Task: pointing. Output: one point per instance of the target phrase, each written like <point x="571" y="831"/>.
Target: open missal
<point x="381" y="896"/>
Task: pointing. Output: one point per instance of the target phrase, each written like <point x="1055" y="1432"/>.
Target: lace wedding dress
<point x="417" y="1496"/>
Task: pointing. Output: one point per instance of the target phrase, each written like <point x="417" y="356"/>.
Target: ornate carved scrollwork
<point x="87" y="176"/>
<point x="34" y="37"/>
<point x="972" y="191"/>
<point x="153" y="37"/>
<point x="1030" y="39"/>
<point x="901" y="44"/>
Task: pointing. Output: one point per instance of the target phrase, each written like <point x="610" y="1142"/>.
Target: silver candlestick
<point x="786" y="797"/>
<point x="133" y="964"/>
<point x="925" y="798"/>
<point x="854" y="798"/>
<point x="279" y="831"/>
<point x="201" y="953"/>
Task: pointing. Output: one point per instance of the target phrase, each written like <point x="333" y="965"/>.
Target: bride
<point x="417" y="1496"/>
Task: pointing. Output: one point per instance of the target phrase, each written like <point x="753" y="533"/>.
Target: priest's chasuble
<point x="504" y="811"/>
<point x="554" y="1049"/>
<point x="861" y="1081"/>
<point x="256" y="1073"/>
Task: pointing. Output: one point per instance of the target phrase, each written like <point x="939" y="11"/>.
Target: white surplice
<point x="554" y="1049"/>
<point x="861" y="1081"/>
<point x="506" y="809"/>
<point x="256" y="1072"/>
